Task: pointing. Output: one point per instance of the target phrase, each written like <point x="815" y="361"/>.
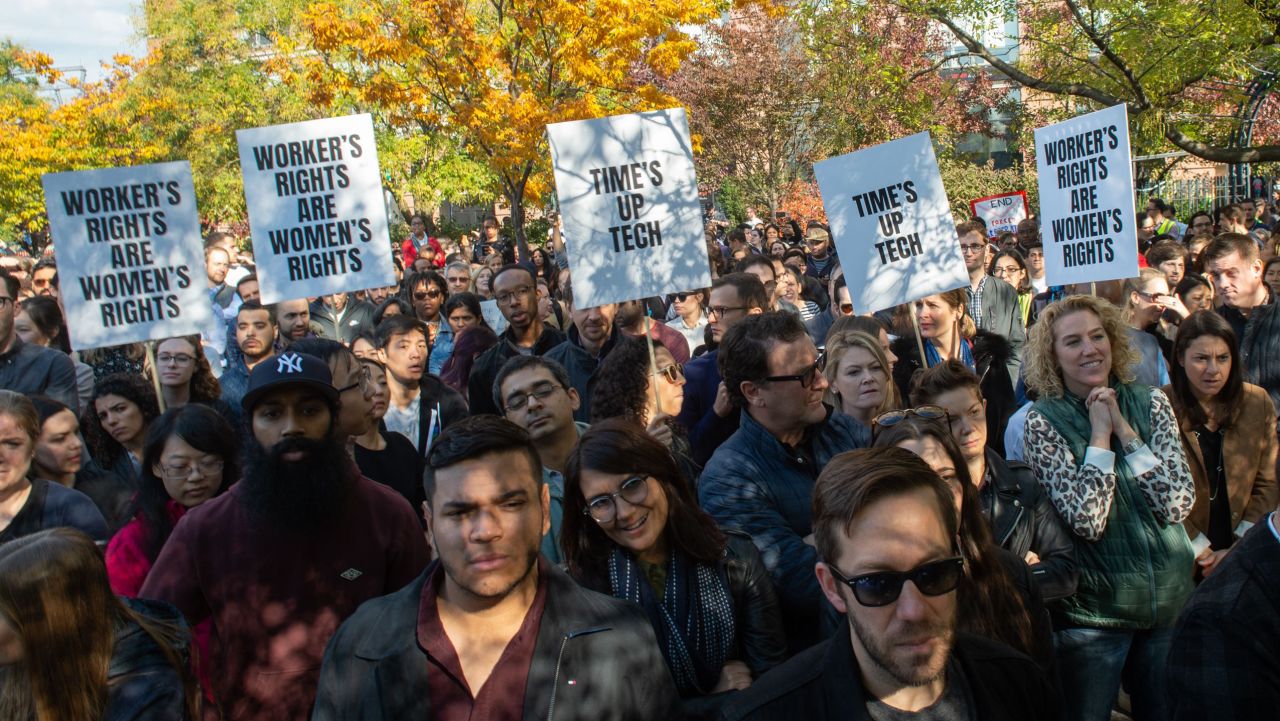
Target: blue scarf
<point x="693" y="621"/>
<point x="933" y="358"/>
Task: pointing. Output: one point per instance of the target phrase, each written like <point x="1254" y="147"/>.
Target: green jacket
<point x="1136" y="575"/>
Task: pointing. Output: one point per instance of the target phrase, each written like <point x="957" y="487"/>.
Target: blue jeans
<point x="1092" y="662"/>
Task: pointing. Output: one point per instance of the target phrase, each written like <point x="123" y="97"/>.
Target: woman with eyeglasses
<point x="72" y="649"/>
<point x="1229" y="436"/>
<point x="691" y="319"/>
<point x="632" y="529"/>
<point x="385" y="456"/>
<point x="186" y="377"/>
<point x="115" y="424"/>
<point x="627" y="386"/>
<point x="1009" y="266"/>
<point x="999" y="597"/>
<point x="1108" y="453"/>
<point x="1146" y="298"/>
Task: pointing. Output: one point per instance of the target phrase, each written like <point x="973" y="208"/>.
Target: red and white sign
<point x="1001" y="212"/>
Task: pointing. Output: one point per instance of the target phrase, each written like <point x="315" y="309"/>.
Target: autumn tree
<point x="100" y="125"/>
<point x="497" y="72"/>
<point x="1181" y="66"/>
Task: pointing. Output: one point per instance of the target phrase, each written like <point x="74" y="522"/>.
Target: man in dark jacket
<point x="341" y="317"/>
<point x="416" y="397"/>
<point x="993" y="303"/>
<point x="760" y="481"/>
<point x="515" y="289"/>
<point x="490" y="629"/>
<point x="31" y="369"/>
<point x="707" y="413"/>
<point x="290" y="551"/>
<point x="882" y="517"/>
<point x="1224" y="663"/>
<point x="591" y="337"/>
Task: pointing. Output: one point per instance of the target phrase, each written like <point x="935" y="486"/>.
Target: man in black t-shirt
<point x="881" y="518"/>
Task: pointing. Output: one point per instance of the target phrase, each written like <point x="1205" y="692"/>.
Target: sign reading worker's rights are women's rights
<point x="316" y="209"/>
<point x="130" y="256"/>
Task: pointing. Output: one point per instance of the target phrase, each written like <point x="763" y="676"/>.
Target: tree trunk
<point x="515" y="199"/>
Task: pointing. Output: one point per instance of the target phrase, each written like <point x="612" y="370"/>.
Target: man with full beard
<point x="491" y="630"/>
<point x="281" y="559"/>
<point x="881" y="518"/>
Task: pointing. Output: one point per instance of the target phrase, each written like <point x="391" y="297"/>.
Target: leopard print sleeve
<point x="1168" y="488"/>
<point x="1080" y="492"/>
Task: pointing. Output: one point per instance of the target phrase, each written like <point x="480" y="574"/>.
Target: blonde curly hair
<point x="1040" y="366"/>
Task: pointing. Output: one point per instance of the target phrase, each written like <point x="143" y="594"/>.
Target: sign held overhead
<point x="1086" y="198"/>
<point x="629" y="200"/>
<point x="1002" y="212"/>
<point x="316" y="209"/>
<point x="130" y="255"/>
<point x="891" y="223"/>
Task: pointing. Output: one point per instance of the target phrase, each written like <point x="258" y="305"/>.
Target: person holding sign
<point x="1108" y="453"/>
<point x="948" y="333"/>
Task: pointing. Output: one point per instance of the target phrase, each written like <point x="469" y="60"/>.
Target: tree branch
<point x="1101" y="44"/>
<point x="1256" y="154"/>
<point x="1018" y="76"/>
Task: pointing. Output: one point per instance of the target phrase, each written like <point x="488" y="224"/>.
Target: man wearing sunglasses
<point x="761" y="479"/>
<point x="885" y="528"/>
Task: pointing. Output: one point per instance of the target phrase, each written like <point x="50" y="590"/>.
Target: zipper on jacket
<point x="555" y="681"/>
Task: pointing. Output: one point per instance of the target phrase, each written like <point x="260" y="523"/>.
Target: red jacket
<point x="409" y="251"/>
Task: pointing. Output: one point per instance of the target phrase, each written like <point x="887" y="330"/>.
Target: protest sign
<point x="629" y="201"/>
<point x="130" y="257"/>
<point x="1001" y="213"/>
<point x="316" y="209"/>
<point x="1086" y="198"/>
<point x="891" y="223"/>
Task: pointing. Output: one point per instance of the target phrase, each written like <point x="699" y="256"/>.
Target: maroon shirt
<point x="276" y="596"/>
<point x="501" y="698"/>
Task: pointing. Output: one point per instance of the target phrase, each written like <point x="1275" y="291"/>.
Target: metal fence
<point x="1186" y="195"/>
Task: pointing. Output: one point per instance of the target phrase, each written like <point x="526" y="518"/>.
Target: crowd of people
<point x="748" y="501"/>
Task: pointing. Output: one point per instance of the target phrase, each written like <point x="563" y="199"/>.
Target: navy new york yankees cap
<point x="288" y="368"/>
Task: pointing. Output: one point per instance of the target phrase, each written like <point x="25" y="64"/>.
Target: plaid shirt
<point x="1224" y="662"/>
<point x="975" y="300"/>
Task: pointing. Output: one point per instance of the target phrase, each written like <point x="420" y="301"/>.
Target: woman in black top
<point x="387" y="457"/>
<point x="632" y="529"/>
<point x="60" y="458"/>
<point x="115" y="424"/>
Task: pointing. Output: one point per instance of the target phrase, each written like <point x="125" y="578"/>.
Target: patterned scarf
<point x="693" y="621"/>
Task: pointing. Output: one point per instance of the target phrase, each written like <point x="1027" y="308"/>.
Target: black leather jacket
<point x="1022" y="519"/>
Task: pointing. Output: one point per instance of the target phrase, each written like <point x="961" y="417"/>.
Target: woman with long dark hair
<point x="41" y="322"/>
<point x="627" y="386"/>
<point x="1228" y="434"/>
<point x="999" y="597"/>
<point x="632" y="529"/>
<point x="71" y="649"/>
<point x="385" y="456"/>
<point x="115" y="424"/>
<point x="467" y="346"/>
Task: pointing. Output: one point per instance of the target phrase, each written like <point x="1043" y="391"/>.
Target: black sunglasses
<point x="806" y="378"/>
<point x="889" y="419"/>
<point x="883" y="587"/>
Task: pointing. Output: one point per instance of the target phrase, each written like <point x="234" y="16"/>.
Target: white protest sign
<point x="1086" y="198"/>
<point x="1001" y="213"/>
<point x="629" y="200"/>
<point x="130" y="256"/>
<point x="891" y="223"/>
<point x="493" y="316"/>
<point x="316" y="210"/>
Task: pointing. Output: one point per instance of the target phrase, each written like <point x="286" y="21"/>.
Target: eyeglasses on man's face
<point x="806" y="378"/>
<point x="542" y="391"/>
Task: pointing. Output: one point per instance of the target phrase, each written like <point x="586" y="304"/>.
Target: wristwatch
<point x="1134" y="446"/>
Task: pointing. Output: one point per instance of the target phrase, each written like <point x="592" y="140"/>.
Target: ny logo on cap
<point x="289" y="363"/>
